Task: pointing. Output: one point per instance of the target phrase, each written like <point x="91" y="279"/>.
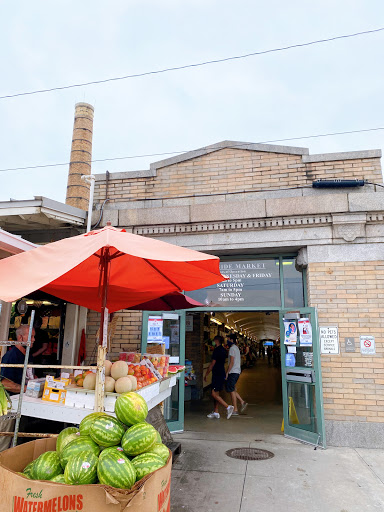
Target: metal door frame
<point x="174" y="426"/>
<point x="318" y="438"/>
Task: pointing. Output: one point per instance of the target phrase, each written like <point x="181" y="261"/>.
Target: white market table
<point x="38" y="408"/>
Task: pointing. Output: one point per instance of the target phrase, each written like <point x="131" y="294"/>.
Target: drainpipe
<point x="90" y="179"/>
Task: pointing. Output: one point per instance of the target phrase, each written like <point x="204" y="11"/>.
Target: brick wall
<point x="350" y="295"/>
<point x="127" y="336"/>
<point x="235" y="170"/>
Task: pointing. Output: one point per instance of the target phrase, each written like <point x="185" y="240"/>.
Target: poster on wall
<point x="188" y="323"/>
<point x="290" y="328"/>
<point x="155" y="329"/>
<point x="175" y="333"/>
<point x="329" y="340"/>
<point x="305" y="330"/>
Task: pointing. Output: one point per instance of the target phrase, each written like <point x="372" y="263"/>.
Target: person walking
<point x="217" y="368"/>
<point x="233" y="374"/>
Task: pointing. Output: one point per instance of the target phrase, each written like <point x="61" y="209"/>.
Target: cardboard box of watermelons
<point x="18" y="494"/>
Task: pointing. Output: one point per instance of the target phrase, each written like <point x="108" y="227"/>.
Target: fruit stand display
<point x="122" y="456"/>
<point x="72" y="397"/>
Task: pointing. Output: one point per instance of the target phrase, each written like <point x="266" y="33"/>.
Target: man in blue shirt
<point x="11" y="377"/>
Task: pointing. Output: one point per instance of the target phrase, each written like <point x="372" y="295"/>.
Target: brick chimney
<point x="81" y="156"/>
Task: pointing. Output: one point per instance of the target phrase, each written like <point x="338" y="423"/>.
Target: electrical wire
<point x="188" y="150"/>
<point x="199" y="64"/>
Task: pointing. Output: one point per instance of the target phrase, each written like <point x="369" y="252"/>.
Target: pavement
<point x="298" y="478"/>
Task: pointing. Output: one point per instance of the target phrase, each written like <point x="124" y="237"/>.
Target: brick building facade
<point x="236" y="198"/>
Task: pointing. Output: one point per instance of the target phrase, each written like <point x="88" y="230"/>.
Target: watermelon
<point x="146" y="463"/>
<point x="62" y="438"/>
<point x="139" y="439"/>
<point x="79" y="445"/>
<point x="111" y="449"/>
<point x="131" y="408"/>
<point x="86" y="422"/>
<point x="46" y="466"/>
<point x="161" y="450"/>
<point x="106" y="431"/>
<point x="28" y="469"/>
<point x="59" y="479"/>
<point x="81" y="469"/>
<point x="116" y="470"/>
<point x="158" y="438"/>
<point x="175" y="369"/>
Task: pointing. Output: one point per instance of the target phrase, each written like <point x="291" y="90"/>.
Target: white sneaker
<point x="213" y="415"/>
<point x="229" y="411"/>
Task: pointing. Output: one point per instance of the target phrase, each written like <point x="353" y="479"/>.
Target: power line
<point x="199" y="64"/>
<point x="187" y="151"/>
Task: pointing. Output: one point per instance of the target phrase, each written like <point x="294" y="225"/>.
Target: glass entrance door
<point x="173" y="334"/>
<point x="301" y="376"/>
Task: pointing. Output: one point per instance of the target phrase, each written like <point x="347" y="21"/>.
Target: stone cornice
<point x="250" y="224"/>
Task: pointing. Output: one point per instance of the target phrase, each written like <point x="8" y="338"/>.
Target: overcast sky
<point x="331" y="87"/>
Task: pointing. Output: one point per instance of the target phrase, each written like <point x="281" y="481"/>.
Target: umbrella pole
<point x="102" y="347"/>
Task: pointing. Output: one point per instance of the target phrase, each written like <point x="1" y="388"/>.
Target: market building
<point x="292" y="251"/>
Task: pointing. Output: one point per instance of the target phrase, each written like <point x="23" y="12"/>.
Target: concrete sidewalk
<point x="298" y="478"/>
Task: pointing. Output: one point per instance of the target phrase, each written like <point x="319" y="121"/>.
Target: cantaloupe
<point x="123" y="385"/>
<point x="119" y="369"/>
<point x="89" y="381"/>
<point x="109" y="384"/>
<point x="134" y="382"/>
<point x="108" y="366"/>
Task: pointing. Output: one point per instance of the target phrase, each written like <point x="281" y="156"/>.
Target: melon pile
<point x="120" y="377"/>
<point x="111" y="451"/>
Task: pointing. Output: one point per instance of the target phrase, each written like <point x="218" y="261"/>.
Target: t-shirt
<point x="219" y="355"/>
<point x="235" y="352"/>
<point x="14" y="356"/>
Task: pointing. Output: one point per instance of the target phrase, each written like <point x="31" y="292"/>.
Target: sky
<point x="325" y="88"/>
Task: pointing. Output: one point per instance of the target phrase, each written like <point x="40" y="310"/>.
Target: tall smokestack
<point x="81" y="156"/>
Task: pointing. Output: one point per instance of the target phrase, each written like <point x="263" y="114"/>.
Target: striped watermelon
<point x="146" y="463"/>
<point x="116" y="470"/>
<point x="79" y="445"/>
<point x="46" y="466"/>
<point x="81" y="469"/>
<point x="131" y="408"/>
<point x="106" y="431"/>
<point x="139" y="439"/>
<point x="59" y="479"/>
<point x="161" y="450"/>
<point x="111" y="449"/>
<point x="62" y="438"/>
<point x="86" y="422"/>
<point x="28" y="469"/>
<point x="158" y="437"/>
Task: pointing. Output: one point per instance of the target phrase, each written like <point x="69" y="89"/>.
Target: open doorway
<point x="260" y="383"/>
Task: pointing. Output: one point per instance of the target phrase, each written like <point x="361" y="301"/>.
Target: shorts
<point x="231" y="382"/>
<point x="218" y="382"/>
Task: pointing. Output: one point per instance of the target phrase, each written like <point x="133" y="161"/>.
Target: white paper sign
<point x="329" y="340"/>
<point x="189" y="323"/>
<point x="155" y="329"/>
<point x="290" y="329"/>
<point x="367" y="345"/>
<point x="305" y="329"/>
